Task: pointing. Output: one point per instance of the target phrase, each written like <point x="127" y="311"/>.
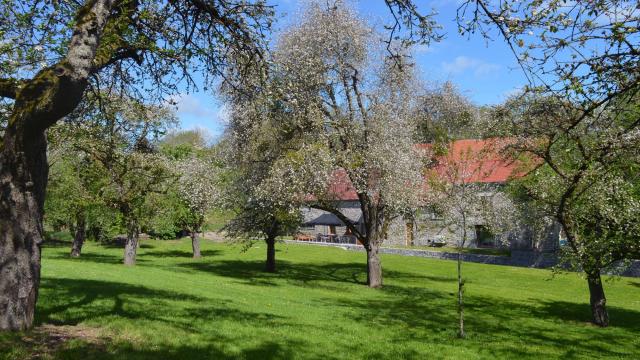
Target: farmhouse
<point x="485" y="167"/>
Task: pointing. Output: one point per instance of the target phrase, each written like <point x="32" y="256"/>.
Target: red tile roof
<point x="481" y="160"/>
<point x="341" y="187"/>
<point x="476" y="161"/>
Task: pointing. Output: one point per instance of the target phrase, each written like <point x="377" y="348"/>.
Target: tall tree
<point x="120" y="138"/>
<point x="253" y="142"/>
<point x="198" y="190"/>
<point x="583" y="176"/>
<point x="582" y="57"/>
<point x="51" y="53"/>
<point x="353" y="109"/>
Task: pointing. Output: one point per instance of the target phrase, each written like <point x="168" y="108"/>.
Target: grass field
<point x="223" y="306"/>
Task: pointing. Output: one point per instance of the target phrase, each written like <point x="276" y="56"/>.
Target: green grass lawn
<point x="223" y="306"/>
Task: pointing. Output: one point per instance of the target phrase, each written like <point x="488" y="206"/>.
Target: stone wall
<point x="520" y="258"/>
<point x="427" y="229"/>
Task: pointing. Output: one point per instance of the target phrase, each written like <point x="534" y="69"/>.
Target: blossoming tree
<point x="197" y="187"/>
<point x="459" y="193"/>
<point x="353" y="110"/>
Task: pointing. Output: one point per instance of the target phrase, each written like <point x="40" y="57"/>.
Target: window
<point x="484" y="237"/>
<point x="562" y="238"/>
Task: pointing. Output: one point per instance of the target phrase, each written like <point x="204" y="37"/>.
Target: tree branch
<point x="119" y="55"/>
<point x="9" y="87"/>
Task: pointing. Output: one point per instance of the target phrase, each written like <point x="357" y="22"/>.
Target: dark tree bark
<point x="599" y="313"/>
<point x="53" y="93"/>
<point x="23" y="174"/>
<point x="80" y="236"/>
<point x="195" y="244"/>
<point x="271" y="254"/>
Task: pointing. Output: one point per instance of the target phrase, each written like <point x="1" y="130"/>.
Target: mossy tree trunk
<point x="23" y="174"/>
<point x="38" y="103"/>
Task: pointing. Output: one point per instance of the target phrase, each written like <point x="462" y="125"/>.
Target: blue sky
<point x="484" y="71"/>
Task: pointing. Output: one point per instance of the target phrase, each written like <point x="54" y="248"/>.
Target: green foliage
<point x="216" y="220"/>
<point x="145" y="47"/>
<point x="166" y="213"/>
<point x="105" y="159"/>
<point x="583" y="175"/>
<point x="74" y="190"/>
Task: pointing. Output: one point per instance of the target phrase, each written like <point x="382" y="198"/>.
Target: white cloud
<point x="463" y="63"/>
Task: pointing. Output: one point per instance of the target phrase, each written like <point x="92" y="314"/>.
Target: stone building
<point x="426" y="228"/>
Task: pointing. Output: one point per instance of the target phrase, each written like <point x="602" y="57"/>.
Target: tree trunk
<point x="271" y="254"/>
<point x="131" y="246"/>
<point x="409" y="236"/>
<point x="598" y="301"/>
<point x="38" y="103"/>
<point x="374" y="267"/>
<point x="23" y="176"/>
<point x="195" y="244"/>
<point x="460" y="295"/>
<point x="80" y="235"/>
<point x="460" y="281"/>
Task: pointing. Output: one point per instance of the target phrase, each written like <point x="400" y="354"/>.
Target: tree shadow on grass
<point x="55" y="243"/>
<point x="74" y="301"/>
<point x="179" y="253"/>
<point x="268" y="350"/>
<point x="569" y="311"/>
<point x="142" y="257"/>
<point x="422" y="315"/>
<point x="78" y="300"/>
<point x="307" y="275"/>
<point x="35" y="344"/>
<point x="97" y="258"/>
